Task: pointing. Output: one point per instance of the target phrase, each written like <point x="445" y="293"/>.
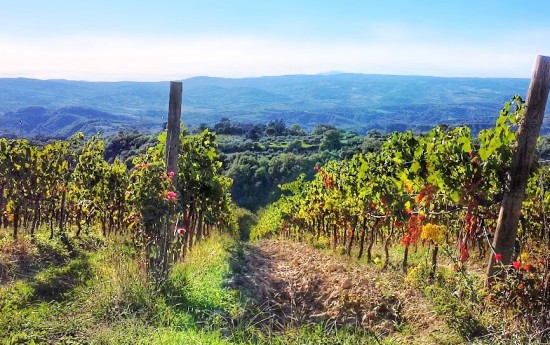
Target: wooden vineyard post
<point x="172" y="154"/>
<point x="522" y="159"/>
<point x="173" y="129"/>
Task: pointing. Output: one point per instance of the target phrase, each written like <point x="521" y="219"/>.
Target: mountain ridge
<point x="353" y="101"/>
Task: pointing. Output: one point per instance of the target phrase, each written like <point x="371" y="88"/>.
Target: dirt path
<point x="296" y="284"/>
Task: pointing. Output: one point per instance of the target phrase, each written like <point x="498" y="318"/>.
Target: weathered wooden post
<point x="172" y="154"/>
<point x="522" y="159"/>
<point x="173" y="129"/>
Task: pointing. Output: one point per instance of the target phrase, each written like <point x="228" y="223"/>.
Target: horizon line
<point x="321" y="74"/>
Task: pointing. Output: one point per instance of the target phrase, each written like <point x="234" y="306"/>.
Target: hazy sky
<point x="174" y="39"/>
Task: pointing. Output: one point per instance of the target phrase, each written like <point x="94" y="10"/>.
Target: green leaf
<point x="398" y="183"/>
<point x="414" y="167"/>
<point x="483" y="153"/>
<point x="419" y="151"/>
<point x="466" y="143"/>
<point x="501" y="120"/>
<point x="455" y="196"/>
<point x="467" y="147"/>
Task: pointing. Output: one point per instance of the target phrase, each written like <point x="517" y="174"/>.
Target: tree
<point x="223" y="127"/>
<point x="276" y="128"/>
<point x="321" y="129"/>
<point x="331" y="140"/>
<point x="374" y="134"/>
<point x="295" y="129"/>
<point x="256" y="132"/>
<point x="295" y="145"/>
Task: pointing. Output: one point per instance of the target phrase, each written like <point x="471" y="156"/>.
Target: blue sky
<point x="174" y="39"/>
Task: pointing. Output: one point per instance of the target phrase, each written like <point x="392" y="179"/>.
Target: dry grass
<point x="296" y="284"/>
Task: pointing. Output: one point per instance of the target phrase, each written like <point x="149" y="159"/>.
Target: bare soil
<point x="296" y="284"/>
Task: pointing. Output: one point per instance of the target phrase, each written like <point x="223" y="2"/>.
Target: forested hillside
<point x="355" y="102"/>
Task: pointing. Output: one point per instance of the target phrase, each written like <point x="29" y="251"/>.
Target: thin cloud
<point x="149" y="58"/>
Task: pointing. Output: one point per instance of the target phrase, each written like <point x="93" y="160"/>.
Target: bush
<point x="245" y="220"/>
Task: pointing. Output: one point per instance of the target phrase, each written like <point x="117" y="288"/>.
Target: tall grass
<point x="103" y="297"/>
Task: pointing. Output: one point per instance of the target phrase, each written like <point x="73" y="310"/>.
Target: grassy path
<point x="225" y="292"/>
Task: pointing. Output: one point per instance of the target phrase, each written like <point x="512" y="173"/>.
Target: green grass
<point x="199" y="281"/>
<point x="41" y="284"/>
<point x="102" y="298"/>
<point x="278" y="146"/>
<point x="32" y="310"/>
<point x="307" y="146"/>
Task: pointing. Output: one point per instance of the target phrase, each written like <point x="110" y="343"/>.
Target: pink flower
<point x="181" y="231"/>
<point x="498" y="257"/>
<point x="171" y="196"/>
<point x="516" y="265"/>
<point x="170" y="176"/>
<point x="127" y="192"/>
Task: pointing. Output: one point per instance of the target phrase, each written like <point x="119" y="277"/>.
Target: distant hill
<point x="358" y="102"/>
